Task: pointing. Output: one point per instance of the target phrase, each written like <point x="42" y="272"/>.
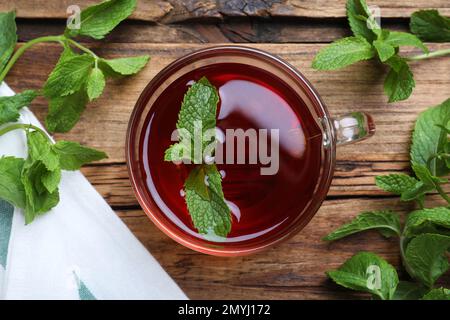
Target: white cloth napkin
<point x="79" y="250"/>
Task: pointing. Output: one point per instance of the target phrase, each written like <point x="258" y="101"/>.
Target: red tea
<point x="250" y="98"/>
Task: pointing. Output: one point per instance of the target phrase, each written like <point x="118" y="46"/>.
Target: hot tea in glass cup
<point x="276" y="139"/>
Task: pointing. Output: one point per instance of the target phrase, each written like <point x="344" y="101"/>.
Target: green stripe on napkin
<point x="6" y="216"/>
<point x="84" y="292"/>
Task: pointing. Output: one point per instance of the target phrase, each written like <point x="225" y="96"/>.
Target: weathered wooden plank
<point x="323" y="8"/>
<point x="356" y="88"/>
<point x="153" y="10"/>
<point x="129" y="32"/>
<point x="293" y="270"/>
<point x="256" y="30"/>
<point x="185" y="10"/>
<point x="297" y="30"/>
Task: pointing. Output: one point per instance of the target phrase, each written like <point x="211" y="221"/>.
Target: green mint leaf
<point x="51" y="180"/>
<point x="417" y="192"/>
<point x="425" y="176"/>
<point x="68" y="76"/>
<point x="429" y="25"/>
<point x="10" y="106"/>
<point x="206" y="203"/>
<point x="178" y="151"/>
<point x="384" y="49"/>
<point x="72" y="155"/>
<point x="8" y="36"/>
<point x="357" y="14"/>
<point x="67" y="53"/>
<point x="426" y="257"/>
<point x="435" y="220"/>
<point x="38" y="199"/>
<point x="32" y="184"/>
<point x="99" y="20"/>
<point x="429" y="181"/>
<point x="409" y="291"/>
<point x="437" y="294"/>
<point x="357" y="273"/>
<point x="397" y="39"/>
<point x="199" y="104"/>
<point x="396" y="63"/>
<point x="386" y="222"/>
<point x="95" y="84"/>
<point x="396" y="183"/>
<point x="123" y="66"/>
<point x="199" y="108"/>
<point x="11" y="187"/>
<point x="399" y="82"/>
<point x="41" y="175"/>
<point x="343" y="52"/>
<point x="64" y="112"/>
<point x="204" y="197"/>
<point x="429" y="138"/>
<point x="40" y="150"/>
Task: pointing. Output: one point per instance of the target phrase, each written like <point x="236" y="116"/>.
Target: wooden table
<point x="295" y="30"/>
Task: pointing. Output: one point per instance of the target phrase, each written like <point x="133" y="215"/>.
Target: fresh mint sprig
<point x="424" y="239"/>
<point x="10" y="106"/>
<point x="204" y="197"/>
<point x="429" y="158"/>
<point x="206" y="202"/>
<point x="370" y="41"/>
<point x="32" y="183"/>
<point x="198" y="112"/>
<point x="80" y="75"/>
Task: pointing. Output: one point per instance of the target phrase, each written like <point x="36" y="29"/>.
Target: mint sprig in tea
<point x="257" y="160"/>
<point x="203" y="187"/>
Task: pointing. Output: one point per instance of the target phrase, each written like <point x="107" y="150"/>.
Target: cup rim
<point x="327" y="167"/>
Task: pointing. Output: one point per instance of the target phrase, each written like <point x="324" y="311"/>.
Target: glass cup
<point x="336" y="131"/>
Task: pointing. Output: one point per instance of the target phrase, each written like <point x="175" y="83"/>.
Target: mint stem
<point x="81" y="47"/>
<point x="23" y="126"/>
<point x="434" y="54"/>
<point x="22" y="49"/>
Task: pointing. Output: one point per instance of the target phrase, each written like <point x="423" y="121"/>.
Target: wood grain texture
<point x="173" y="11"/>
<point x="293" y="270"/>
<point x="153" y="10"/>
<point x="129" y="32"/>
<point x="253" y="31"/>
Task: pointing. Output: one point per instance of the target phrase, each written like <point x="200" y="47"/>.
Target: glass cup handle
<point x="353" y="127"/>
